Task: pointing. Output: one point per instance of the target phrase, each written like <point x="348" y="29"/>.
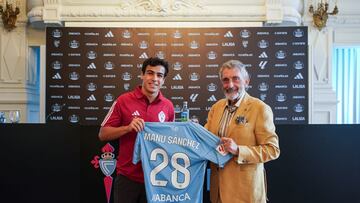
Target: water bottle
<point x="185" y="112"/>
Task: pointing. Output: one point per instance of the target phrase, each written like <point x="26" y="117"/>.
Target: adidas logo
<point x="56" y="76"/>
<point x="263" y="55"/>
<point x="212" y="98"/>
<point x="193" y="97"/>
<point x="177" y="77"/>
<point x="262" y="64"/>
<point x="109" y="34"/>
<point x="91" y="98"/>
<point x="91" y="66"/>
<point x="143" y="56"/>
<point x="299" y="76"/>
<point x="135" y="113"/>
<point x="228" y="34"/>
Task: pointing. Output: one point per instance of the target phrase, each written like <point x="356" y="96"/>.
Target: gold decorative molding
<point x="65" y="11"/>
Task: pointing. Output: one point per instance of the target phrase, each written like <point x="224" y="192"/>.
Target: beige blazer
<point x="243" y="180"/>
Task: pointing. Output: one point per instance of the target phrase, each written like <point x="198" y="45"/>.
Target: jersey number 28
<point x="174" y="174"/>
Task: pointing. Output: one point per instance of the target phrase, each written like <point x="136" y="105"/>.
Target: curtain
<point x="346" y="79"/>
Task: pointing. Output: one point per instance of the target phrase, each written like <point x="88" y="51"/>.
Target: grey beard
<point x="232" y="97"/>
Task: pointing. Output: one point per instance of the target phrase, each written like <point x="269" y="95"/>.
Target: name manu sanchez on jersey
<point x="172" y="140"/>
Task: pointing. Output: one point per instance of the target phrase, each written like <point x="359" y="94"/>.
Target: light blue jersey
<point x="174" y="157"/>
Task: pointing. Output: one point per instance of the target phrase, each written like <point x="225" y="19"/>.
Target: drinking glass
<point x="14" y="116"/>
<point x="2" y="117"/>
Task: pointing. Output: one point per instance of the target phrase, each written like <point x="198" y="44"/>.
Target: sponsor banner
<point x="88" y="68"/>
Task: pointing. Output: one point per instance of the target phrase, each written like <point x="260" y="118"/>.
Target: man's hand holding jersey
<point x="230" y="145"/>
<point x="137" y="124"/>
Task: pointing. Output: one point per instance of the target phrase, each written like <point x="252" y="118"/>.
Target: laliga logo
<point x="107" y="164"/>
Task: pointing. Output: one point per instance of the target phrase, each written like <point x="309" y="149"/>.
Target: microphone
<point x="54" y="110"/>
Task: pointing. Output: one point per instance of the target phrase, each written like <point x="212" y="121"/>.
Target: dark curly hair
<point x="155" y="61"/>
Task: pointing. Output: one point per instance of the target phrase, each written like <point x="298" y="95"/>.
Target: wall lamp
<point x="320" y="13"/>
<point x="9" y="15"/>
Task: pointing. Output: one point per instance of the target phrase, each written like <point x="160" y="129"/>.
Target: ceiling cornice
<point x="60" y="11"/>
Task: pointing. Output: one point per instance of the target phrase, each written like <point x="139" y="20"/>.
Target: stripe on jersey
<point x="108" y="114"/>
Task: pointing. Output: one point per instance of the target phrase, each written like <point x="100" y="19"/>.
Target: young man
<point x="126" y="117"/>
<point x="246" y="128"/>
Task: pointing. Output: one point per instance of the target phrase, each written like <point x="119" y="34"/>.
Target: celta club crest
<point x="107" y="164"/>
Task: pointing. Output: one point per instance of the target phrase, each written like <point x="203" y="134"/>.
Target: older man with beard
<point x="246" y="128"/>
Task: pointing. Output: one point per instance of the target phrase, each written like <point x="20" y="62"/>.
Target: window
<point x="346" y="80"/>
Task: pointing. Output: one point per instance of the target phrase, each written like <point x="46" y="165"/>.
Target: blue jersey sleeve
<point x="137" y="149"/>
<point x="210" y="141"/>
